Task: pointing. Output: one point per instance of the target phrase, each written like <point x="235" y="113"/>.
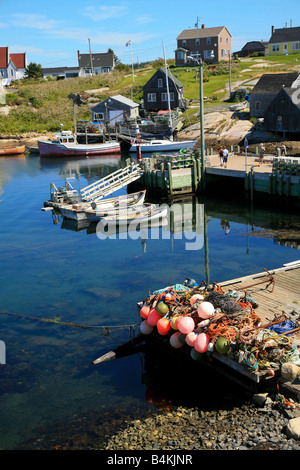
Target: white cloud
<point x="143" y="19"/>
<point x="104" y="12"/>
<point x="29" y="20"/>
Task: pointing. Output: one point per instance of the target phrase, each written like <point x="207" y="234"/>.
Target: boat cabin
<point x="65" y="137"/>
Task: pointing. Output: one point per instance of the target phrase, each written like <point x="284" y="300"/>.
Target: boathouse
<point x="155" y="92"/>
<point x="115" y="109"/>
<point x="283" y="114"/>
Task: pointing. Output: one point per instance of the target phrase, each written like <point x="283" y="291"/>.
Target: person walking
<point x="283" y="150"/>
<point x="261" y="154"/>
<point x="225" y="157"/>
<point x="221" y="155"/>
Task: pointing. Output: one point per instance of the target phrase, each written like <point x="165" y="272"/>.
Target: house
<point x="213" y="45"/>
<point x="12" y="66"/>
<point x="252" y="47"/>
<point x="267" y="88"/>
<point x="114" y="109"/>
<point x="66" y="72"/>
<point x="284" y="41"/>
<point x="283" y="113"/>
<point x="155" y="93"/>
<point x="93" y="64"/>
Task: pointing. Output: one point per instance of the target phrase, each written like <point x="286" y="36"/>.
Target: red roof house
<point x="12" y="66"/>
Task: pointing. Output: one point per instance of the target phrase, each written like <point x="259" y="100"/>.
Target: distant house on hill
<point x="115" y="108"/>
<point x="12" y="66"/>
<point x="65" y="72"/>
<point x="260" y="47"/>
<point x="212" y="44"/>
<point x="284" y="41"/>
<point x="283" y="113"/>
<point x="155" y="92"/>
<point x="267" y="88"/>
<point x="95" y="63"/>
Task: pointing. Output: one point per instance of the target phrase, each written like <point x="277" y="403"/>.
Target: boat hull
<point x="163" y="146"/>
<point x="55" y="149"/>
<point x="12" y="151"/>
<point x="152" y="215"/>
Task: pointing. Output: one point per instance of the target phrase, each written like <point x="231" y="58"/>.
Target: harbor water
<point x="69" y="295"/>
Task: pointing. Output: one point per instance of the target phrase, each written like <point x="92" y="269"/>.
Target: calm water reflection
<point x="53" y="269"/>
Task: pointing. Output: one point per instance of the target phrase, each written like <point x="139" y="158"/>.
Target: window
<point x="223" y="53"/>
<point x="208" y="54"/>
<point x="276" y="48"/>
<point x="257" y="106"/>
<point x="208" y="41"/>
<point x="98" y="116"/>
<point x="184" y="42"/>
<point x="296" y="46"/>
<point x="197" y="42"/>
<point x="87" y="71"/>
<point x="151" y="97"/>
<point x="180" y="55"/>
<point x="164" y="96"/>
<point x="160" y="83"/>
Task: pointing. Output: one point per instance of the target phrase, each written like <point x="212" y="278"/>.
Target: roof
<point x="105" y="59"/>
<point x="273" y="82"/>
<point x="285" y="35"/>
<point x="260" y="43"/>
<point x="18" y="59"/>
<point x="201" y="33"/>
<point x="124" y="100"/>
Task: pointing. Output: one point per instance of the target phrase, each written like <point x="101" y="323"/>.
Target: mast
<point x="168" y="94"/>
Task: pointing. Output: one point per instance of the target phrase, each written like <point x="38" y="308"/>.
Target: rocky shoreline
<point x="264" y="425"/>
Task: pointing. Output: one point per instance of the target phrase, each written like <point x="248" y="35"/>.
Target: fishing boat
<point x="65" y="144"/>
<point x="80" y="210"/>
<point x="138" y="215"/>
<point x="12" y="150"/>
<point x="162" y="145"/>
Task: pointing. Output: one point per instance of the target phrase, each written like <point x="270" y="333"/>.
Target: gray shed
<point x="114" y="109"/>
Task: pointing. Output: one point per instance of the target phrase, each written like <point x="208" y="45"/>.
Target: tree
<point x="34" y="70"/>
<point x="117" y="60"/>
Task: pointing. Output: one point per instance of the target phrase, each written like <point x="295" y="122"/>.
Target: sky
<point x="52" y="32"/>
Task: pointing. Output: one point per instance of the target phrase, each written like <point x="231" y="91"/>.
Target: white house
<point x="12" y="66"/>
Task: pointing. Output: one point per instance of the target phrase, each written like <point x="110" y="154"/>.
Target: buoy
<point x="174" y="321"/>
<point x="163" y="326"/>
<point x="191" y="338"/>
<point x="144" y="312"/>
<point x="196" y="355"/>
<point x="206" y="310"/>
<point x="145" y="328"/>
<point x="195" y="298"/>
<point x="153" y="317"/>
<point x="174" y="341"/>
<point x="162" y="309"/>
<point x="222" y="345"/>
<point x="181" y="337"/>
<point x="201" y="342"/>
<point x="186" y="325"/>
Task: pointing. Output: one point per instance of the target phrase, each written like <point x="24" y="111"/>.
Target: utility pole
<point x="91" y="57"/>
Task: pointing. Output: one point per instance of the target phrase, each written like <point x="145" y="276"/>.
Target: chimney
<point x="272" y="30"/>
<point x="78" y="54"/>
<point x="203" y="26"/>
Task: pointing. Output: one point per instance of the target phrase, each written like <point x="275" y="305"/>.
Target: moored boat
<point x="66" y="145"/>
<point x="138" y="216"/>
<point x="18" y="150"/>
<point x="162" y="145"/>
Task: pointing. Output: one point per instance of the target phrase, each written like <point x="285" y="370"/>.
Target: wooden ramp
<point x="111" y="183"/>
<point x="276" y="291"/>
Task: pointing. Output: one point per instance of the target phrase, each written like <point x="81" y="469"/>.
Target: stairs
<point x="111" y="183"/>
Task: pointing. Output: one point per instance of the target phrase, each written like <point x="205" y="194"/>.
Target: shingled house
<point x="252" y="47"/>
<point x="213" y="45"/>
<point x="95" y="63"/>
<point x="283" y="113"/>
<point x="12" y="66"/>
<point x="284" y="41"/>
<point x="267" y="88"/>
<point x="155" y="93"/>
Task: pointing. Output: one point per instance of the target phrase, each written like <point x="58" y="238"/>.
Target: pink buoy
<point x="206" y="310"/>
<point x="195" y="298"/>
<point x="186" y="325"/>
<point x="153" y="317"/>
<point x="144" y="312"/>
<point x="175" y="342"/>
<point x="191" y="338"/>
<point x="145" y="328"/>
<point x="201" y="343"/>
<point x="163" y="326"/>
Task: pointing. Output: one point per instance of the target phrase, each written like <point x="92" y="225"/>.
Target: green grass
<point x="41" y="105"/>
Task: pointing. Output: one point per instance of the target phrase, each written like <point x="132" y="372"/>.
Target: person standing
<point x="283" y="150"/>
<point x="261" y="154"/>
<point x="225" y="157"/>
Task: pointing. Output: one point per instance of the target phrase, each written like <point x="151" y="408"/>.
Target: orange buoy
<point x="191" y="338"/>
<point x="163" y="326"/>
<point x="153" y="317"/>
<point x="144" y="312"/>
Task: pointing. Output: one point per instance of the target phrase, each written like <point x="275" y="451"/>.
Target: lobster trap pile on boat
<point x="203" y="320"/>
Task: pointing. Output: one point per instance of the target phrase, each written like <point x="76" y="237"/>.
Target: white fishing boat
<point x="137" y="216"/>
<point x="162" y="145"/>
<point x="79" y="211"/>
<point x="66" y="145"/>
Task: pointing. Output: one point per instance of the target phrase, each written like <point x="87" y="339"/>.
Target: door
<point x="285" y="48"/>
